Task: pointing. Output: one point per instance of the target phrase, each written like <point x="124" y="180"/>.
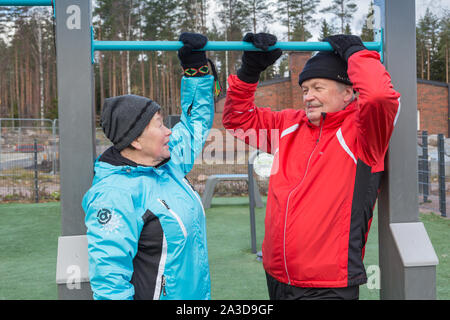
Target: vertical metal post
<point x="425" y="167"/>
<point x="251" y="196"/>
<point x="407" y="258"/>
<point x="441" y="174"/>
<point x="54" y="146"/>
<point x="77" y="136"/>
<point x="36" y="175"/>
<point x="0" y="144"/>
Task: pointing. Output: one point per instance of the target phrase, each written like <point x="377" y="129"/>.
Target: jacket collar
<point x="116" y="162"/>
<point x="333" y="119"/>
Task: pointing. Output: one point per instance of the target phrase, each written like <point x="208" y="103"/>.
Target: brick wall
<point x="297" y="61"/>
<point x="432" y="103"/>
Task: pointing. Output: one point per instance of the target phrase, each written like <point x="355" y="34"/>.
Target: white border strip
<point x="289" y="130"/>
<point x="398" y="111"/>
<point x="344" y="145"/>
<point x="162" y="264"/>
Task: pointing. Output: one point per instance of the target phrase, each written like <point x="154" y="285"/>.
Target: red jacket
<point x="324" y="180"/>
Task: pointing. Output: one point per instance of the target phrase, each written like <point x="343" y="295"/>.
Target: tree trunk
<point x="13" y="103"/>
<point x="28" y="78"/>
<point x="164" y="76"/>
<point x="128" y="71"/>
<point x="114" y="82"/>
<point x="37" y="91"/>
<point x="41" y="73"/>
<point x="171" y="87"/>
<point x="151" y="88"/>
<point x="16" y="75"/>
<point x="157" y="91"/>
<point x="123" y="73"/>
<point x="22" y="92"/>
<point x="446" y="62"/>
<point x="47" y="85"/>
<point x="142" y="75"/>
<point x="422" y="69"/>
<point x="100" y="71"/>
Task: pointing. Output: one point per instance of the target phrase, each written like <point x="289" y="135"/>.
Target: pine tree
<point x="260" y="13"/>
<point x="367" y="33"/>
<point x="191" y="15"/>
<point x="427" y="32"/>
<point x="234" y="14"/>
<point x="304" y="13"/>
<point x="286" y="11"/>
<point x="348" y="29"/>
<point x="343" y="10"/>
<point x="296" y="15"/>
<point x="219" y="57"/>
<point x="326" y="29"/>
<point x="440" y="65"/>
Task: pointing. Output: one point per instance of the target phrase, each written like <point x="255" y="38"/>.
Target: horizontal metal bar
<point x="217" y="46"/>
<point x="29" y="3"/>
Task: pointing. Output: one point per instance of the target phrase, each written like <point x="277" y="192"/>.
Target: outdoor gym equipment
<point x="407" y="258"/>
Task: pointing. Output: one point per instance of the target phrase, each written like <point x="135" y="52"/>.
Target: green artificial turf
<point x="29" y="236"/>
<point x="235" y="271"/>
<point x="29" y="240"/>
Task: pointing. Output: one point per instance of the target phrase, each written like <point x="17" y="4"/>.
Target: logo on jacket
<point x="109" y="221"/>
<point x="104" y="216"/>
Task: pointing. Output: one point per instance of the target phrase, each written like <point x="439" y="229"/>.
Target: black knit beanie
<point x="325" y="64"/>
<point x="125" y="117"/>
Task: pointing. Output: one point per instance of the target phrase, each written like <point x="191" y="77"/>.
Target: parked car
<point x="28" y="147"/>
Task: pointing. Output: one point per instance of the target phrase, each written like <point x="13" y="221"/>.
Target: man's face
<point x="324" y="95"/>
<point x="154" y="139"/>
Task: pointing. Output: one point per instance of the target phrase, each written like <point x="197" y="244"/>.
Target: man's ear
<point x="349" y="94"/>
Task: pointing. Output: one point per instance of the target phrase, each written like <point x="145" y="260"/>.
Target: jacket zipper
<point x="186" y="181"/>
<point x="290" y="193"/>
<point x="177" y="217"/>
<point x="163" y="285"/>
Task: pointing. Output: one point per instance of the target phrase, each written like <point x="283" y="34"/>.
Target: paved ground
<point x="433" y="200"/>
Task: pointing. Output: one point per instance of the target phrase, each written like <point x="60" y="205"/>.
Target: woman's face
<point x="154" y="140"/>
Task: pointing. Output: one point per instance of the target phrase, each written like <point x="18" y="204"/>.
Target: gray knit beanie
<point x="125" y="117"/>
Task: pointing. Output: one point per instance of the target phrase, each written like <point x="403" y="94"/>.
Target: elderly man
<point x="330" y="158"/>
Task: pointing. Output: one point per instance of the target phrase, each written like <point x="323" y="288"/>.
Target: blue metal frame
<point x="29" y="3"/>
<point x="218" y="46"/>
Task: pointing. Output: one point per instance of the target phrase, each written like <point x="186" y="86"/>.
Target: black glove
<point x="194" y="63"/>
<point x="255" y="62"/>
<point x="345" y="45"/>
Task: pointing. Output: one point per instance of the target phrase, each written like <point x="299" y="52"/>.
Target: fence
<point x="29" y="164"/>
<point x="29" y="173"/>
<point x="28" y="159"/>
<point x="433" y="169"/>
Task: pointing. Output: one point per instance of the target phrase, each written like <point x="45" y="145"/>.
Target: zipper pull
<point x="324" y="114"/>
<point x="189" y="110"/>
<point x="165" y="204"/>
<point x="163" y="285"/>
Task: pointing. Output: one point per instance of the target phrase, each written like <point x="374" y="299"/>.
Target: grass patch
<point x="29" y="239"/>
<point x="235" y="272"/>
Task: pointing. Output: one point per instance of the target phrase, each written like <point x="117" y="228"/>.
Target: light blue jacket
<point x="146" y="226"/>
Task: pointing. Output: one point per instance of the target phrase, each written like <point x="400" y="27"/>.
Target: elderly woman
<point x="145" y="222"/>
